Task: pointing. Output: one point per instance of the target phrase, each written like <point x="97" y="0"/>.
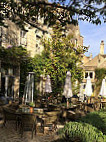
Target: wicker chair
<point x="28" y="123"/>
<point x="9" y="114"/>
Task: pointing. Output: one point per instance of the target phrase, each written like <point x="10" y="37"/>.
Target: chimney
<point x="102" y="47"/>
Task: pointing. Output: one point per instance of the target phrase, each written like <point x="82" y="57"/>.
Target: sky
<point x="93" y="34"/>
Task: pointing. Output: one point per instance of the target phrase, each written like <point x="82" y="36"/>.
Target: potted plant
<point x="32" y="105"/>
<point x="104" y="99"/>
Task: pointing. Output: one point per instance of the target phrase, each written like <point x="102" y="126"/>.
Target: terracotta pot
<point x="31" y="109"/>
<point x="104" y="99"/>
<point x="89" y="101"/>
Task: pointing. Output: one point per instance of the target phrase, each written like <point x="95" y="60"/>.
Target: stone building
<point x="30" y="38"/>
<point x="90" y="64"/>
<point x="12" y="35"/>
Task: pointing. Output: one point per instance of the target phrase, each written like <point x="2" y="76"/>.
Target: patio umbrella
<point x="88" y="87"/>
<point x="48" y="88"/>
<point x="67" y="87"/>
<point x="103" y="88"/>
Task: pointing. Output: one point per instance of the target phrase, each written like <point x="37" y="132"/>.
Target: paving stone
<point x="9" y="134"/>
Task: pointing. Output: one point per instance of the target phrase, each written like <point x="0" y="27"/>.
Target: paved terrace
<point x="9" y="134"/>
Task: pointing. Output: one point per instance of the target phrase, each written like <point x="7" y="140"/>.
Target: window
<point x="23" y="34"/>
<point x="75" y="41"/>
<point x="23" y="40"/>
<point x="3" y="71"/>
<point x="86" y="74"/>
<point x="43" y="33"/>
<point x="37" y="48"/>
<point x="38" y="36"/>
<point x="36" y="45"/>
<point x="84" y="86"/>
<point x="91" y="74"/>
<point x="99" y="60"/>
<point x="36" y="31"/>
<point x="10" y="71"/>
<point x="92" y="88"/>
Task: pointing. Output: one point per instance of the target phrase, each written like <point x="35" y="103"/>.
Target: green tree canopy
<point x="58" y="57"/>
<point x="13" y="55"/>
<point x="63" y="10"/>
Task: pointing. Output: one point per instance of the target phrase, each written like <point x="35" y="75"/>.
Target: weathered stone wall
<point x="10" y="34"/>
<point x="74" y="32"/>
<point x="30" y="38"/>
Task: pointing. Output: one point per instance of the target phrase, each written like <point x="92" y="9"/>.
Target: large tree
<point x="58" y="57"/>
<point x="65" y="11"/>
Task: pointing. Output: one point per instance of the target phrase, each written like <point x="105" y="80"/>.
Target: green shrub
<point x="82" y="131"/>
<point x="100" y="73"/>
<point x="31" y="104"/>
<point x="97" y="119"/>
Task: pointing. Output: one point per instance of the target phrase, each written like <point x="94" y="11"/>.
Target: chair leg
<point x="21" y="134"/>
<point x="21" y="131"/>
<point x="32" y="131"/>
<point x="35" y="130"/>
<point x="42" y="126"/>
<point x="4" y="123"/>
<point x="16" y="125"/>
<point x="32" y="134"/>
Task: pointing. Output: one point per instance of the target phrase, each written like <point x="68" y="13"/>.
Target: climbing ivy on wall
<point x="99" y="74"/>
<point x="13" y="57"/>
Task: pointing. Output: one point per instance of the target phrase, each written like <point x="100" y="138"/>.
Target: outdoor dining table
<point x="26" y="110"/>
<point x="40" y="117"/>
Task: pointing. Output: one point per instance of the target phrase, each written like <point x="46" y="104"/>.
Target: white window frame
<point x="89" y="74"/>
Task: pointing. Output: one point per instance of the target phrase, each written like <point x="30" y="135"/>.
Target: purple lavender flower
<point x="10" y="46"/>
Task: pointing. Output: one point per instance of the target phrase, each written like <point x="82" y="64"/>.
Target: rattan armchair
<point x="28" y="123"/>
<point x="9" y="115"/>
